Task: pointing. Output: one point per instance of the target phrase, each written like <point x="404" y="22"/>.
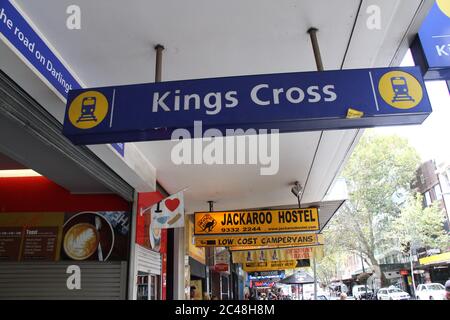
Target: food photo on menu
<point x="95" y="236"/>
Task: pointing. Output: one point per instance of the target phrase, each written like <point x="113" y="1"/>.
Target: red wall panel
<point x="37" y="194"/>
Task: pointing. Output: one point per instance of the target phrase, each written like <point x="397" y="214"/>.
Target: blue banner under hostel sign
<point x="289" y="102"/>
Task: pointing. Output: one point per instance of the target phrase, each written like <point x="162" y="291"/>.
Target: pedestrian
<point x="447" y="289"/>
<point x="192" y="292"/>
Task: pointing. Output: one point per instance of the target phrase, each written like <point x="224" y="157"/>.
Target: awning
<point x="436" y="259"/>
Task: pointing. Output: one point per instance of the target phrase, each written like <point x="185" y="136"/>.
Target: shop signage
<point x="220" y="267"/>
<point x="274" y="240"/>
<point x="288" y="102"/>
<point x="271" y="255"/>
<point x="169" y="213"/>
<point x="437" y="258"/>
<point x="269" y="265"/>
<point x="260" y="275"/>
<point x="431" y="49"/>
<point x="261" y="284"/>
<point x="221" y="260"/>
<point x="56" y="236"/>
<point x="19" y="35"/>
<point x="197" y="253"/>
<point x="256" y="221"/>
<point x="147" y="235"/>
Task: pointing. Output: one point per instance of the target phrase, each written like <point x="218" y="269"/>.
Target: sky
<point x="432" y="138"/>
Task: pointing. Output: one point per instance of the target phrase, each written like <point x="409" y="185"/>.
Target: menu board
<point x="10" y="240"/>
<point x="39" y="243"/>
<point x="54" y="236"/>
<point x="28" y="243"/>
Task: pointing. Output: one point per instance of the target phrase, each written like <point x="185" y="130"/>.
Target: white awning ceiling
<point x="205" y="38"/>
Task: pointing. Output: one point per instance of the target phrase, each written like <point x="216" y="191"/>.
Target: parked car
<point x="392" y="293"/>
<point x="359" y="292"/>
<point x="430" y="291"/>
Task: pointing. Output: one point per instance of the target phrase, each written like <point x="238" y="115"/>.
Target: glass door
<point x="142" y="286"/>
<point x="154" y="287"/>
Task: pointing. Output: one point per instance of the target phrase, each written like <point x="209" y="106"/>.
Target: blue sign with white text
<point x="18" y="33"/>
<point x="22" y="37"/>
<point x="119" y="147"/>
<point x="289" y="102"/>
<point x="431" y="49"/>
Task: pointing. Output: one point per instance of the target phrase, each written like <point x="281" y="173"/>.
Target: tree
<point x="378" y="175"/>
<point x="327" y="266"/>
<point x="420" y="227"/>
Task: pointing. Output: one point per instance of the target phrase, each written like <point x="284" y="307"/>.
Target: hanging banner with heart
<point x="169" y="212"/>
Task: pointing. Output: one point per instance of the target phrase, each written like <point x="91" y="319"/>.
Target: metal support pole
<point x="179" y="248"/>
<point x="211" y="252"/>
<point x="158" y="67"/>
<point x="132" y="268"/>
<point x="412" y="272"/>
<point x="315" y="44"/>
<point x="315" y="273"/>
<point x="364" y="271"/>
<point x="211" y="205"/>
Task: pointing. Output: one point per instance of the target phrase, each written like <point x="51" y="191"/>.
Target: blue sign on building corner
<point x="431" y="48"/>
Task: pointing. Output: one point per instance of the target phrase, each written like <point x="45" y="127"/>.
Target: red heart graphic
<point x="172" y="204"/>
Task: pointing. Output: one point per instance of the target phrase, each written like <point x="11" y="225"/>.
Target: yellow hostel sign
<point x="259" y="221"/>
<point x="269" y="265"/>
<point x="266" y="255"/>
<point x="267" y="241"/>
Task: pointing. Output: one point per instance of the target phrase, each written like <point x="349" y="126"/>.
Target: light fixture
<point x="18" y="173"/>
<point x="297" y="189"/>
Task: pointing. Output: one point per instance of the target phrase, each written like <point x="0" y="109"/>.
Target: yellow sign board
<point x="268" y="241"/>
<point x="259" y="221"/>
<point x="437" y="258"/>
<point x="269" y="265"/>
<point x="271" y="255"/>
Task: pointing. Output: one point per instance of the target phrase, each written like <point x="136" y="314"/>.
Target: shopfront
<point x="436" y="267"/>
<point x="197" y="276"/>
<point x="56" y="245"/>
<point x="150" y="252"/>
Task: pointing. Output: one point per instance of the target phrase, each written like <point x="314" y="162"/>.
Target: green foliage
<point x="382" y="212"/>
<point x="378" y="175"/>
<point x="327" y="266"/>
<point x="420" y="227"/>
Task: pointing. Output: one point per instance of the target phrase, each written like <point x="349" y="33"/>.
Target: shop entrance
<point x="148" y="286"/>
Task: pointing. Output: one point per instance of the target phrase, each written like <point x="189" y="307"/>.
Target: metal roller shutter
<point x="21" y="109"/>
<point x="148" y="261"/>
<point x="40" y="280"/>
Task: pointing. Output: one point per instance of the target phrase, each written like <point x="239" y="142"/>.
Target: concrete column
<point x="179" y="249"/>
<point x="132" y="287"/>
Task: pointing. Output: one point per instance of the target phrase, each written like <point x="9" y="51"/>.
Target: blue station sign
<point x="431" y="48"/>
<point x="288" y="102"/>
<point x="19" y="35"/>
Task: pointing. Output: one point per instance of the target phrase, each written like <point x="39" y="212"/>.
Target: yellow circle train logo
<point x="88" y="110"/>
<point x="400" y="90"/>
<point x="444" y="5"/>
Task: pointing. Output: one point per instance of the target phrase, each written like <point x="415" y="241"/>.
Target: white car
<point x="360" y="290"/>
<point x="430" y="291"/>
<point x="392" y="293"/>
